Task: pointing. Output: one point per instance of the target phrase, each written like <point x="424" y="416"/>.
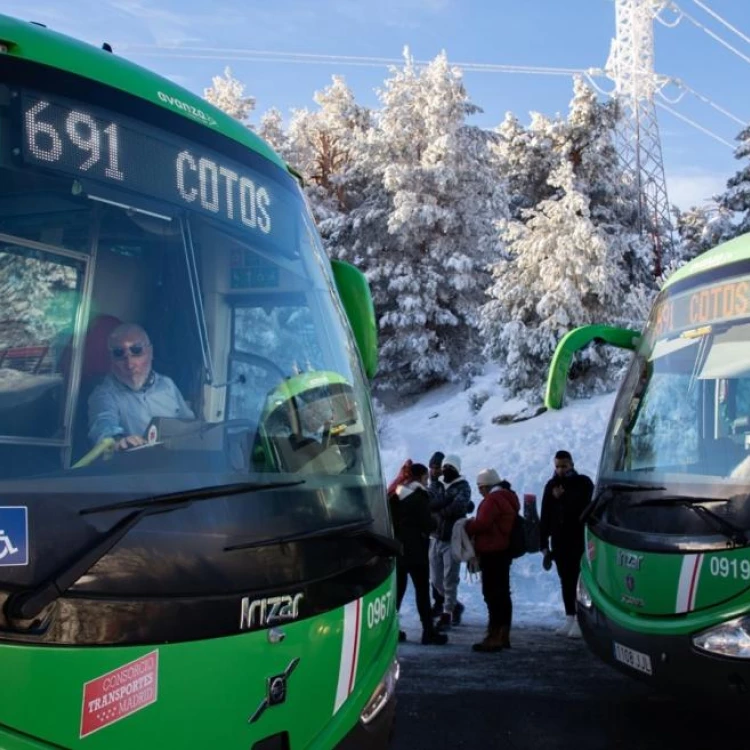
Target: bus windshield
<point x="168" y="317"/>
<point x="683" y="413"/>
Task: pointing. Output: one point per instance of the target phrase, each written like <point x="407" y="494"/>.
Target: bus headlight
<point x="382" y="693"/>
<point x="582" y="594"/>
<point x="728" y="639"/>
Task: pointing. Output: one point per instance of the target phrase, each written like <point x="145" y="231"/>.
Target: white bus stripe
<point x="695" y="580"/>
<point x="688" y="583"/>
<point x="349" y="652"/>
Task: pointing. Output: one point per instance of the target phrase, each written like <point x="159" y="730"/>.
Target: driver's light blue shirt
<point x="116" y="410"/>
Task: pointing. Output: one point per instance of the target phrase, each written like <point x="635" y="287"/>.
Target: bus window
<point x="41" y="294"/>
<point x="665" y="431"/>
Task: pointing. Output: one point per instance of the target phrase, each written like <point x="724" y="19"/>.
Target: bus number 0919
<point x="725" y="567"/>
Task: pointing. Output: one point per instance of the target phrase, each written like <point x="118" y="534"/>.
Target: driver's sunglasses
<point x="135" y="350"/>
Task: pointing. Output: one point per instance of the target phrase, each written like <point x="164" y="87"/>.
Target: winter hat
<point x="487" y="478"/>
<point x="454" y="461"/>
<point x="436" y="459"/>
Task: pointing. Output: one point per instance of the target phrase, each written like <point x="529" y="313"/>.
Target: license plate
<point x="633" y="659"/>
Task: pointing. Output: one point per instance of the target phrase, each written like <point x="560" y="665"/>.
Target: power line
<point x="721" y="20"/>
<point x="694" y="124"/>
<point x="252" y="55"/>
<point x="698" y="24"/>
<point x="255" y="55"/>
<point x="703" y="98"/>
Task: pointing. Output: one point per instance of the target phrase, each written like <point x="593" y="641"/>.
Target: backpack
<point x="532" y="523"/>
<point x="518" y="546"/>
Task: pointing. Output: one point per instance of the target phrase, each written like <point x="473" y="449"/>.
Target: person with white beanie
<point x="490" y="531"/>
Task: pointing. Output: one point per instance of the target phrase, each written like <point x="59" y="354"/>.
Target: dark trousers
<point x="437" y="596"/>
<point x="420" y="578"/>
<point x="568" y="563"/>
<point x="495" y="567"/>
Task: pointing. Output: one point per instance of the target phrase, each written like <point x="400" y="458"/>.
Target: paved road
<point x="546" y="693"/>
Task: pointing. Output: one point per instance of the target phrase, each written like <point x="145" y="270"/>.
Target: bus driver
<point x="132" y="394"/>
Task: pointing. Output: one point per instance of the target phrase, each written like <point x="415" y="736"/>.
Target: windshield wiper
<point x="620" y="487"/>
<point x="386" y="544"/>
<point x="26" y="605"/>
<point x="731" y="531"/>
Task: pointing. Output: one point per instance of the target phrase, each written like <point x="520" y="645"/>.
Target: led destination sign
<point x="83" y="141"/>
<point x="722" y="301"/>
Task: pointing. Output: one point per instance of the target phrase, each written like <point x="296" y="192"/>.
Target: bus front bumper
<point x="373" y="736"/>
<point x="668" y="662"/>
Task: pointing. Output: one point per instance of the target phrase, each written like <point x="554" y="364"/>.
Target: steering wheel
<point x="271" y="367"/>
<point x="262" y="363"/>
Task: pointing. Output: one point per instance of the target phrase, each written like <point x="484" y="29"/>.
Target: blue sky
<point x="170" y="36"/>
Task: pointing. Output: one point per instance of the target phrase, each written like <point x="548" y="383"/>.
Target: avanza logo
<point x="194" y="112"/>
<point x="269" y="611"/>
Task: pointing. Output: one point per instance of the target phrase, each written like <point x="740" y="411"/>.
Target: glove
<point x="547" y="560"/>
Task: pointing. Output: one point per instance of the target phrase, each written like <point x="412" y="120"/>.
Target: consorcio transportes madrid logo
<point x="119" y="693"/>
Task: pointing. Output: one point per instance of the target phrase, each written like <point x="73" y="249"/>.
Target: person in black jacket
<point x="561" y="533"/>
<point x="412" y="523"/>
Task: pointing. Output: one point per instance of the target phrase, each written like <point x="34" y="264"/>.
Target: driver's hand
<point x="131" y="441"/>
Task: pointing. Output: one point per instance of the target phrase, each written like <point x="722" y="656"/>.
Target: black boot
<point x="437" y="607"/>
<point x="431" y="637"/>
<point x="458" y="611"/>
<point x="401" y="636"/>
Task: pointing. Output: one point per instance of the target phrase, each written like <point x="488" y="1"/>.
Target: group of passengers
<point x="430" y="508"/>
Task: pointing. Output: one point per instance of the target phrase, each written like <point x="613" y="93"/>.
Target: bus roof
<point x="728" y="252"/>
<point x="36" y="43"/>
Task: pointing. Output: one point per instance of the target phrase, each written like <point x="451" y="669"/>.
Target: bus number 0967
<point x="378" y="610"/>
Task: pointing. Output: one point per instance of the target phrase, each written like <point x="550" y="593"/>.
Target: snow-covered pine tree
<point x="272" y="131"/>
<point x="699" y="229"/>
<point x="575" y="258"/>
<point x="325" y="147"/>
<point x="428" y="282"/>
<point x="525" y="159"/>
<point x="228" y="94"/>
<point x="736" y="198"/>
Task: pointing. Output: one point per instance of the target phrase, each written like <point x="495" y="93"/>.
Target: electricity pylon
<point x="631" y="67"/>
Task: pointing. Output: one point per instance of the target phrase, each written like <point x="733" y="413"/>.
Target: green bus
<point x="664" y="588"/>
<point x="195" y="543"/>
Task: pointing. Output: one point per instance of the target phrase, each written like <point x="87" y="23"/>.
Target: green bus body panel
<point x="729" y="252"/>
<point x="357" y="300"/>
<point x="208" y="690"/>
<point x="37" y="44"/>
<point x="572" y="342"/>
<point x="666" y="593"/>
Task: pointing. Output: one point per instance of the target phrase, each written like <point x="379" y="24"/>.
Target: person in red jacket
<point x="490" y="531"/>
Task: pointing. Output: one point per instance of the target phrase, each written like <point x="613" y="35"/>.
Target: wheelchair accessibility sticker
<point x="14" y="536"/>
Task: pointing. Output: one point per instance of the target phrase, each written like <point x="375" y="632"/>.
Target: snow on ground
<point x="521" y="452"/>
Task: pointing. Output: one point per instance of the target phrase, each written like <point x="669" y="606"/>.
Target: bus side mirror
<point x="357" y="300"/>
